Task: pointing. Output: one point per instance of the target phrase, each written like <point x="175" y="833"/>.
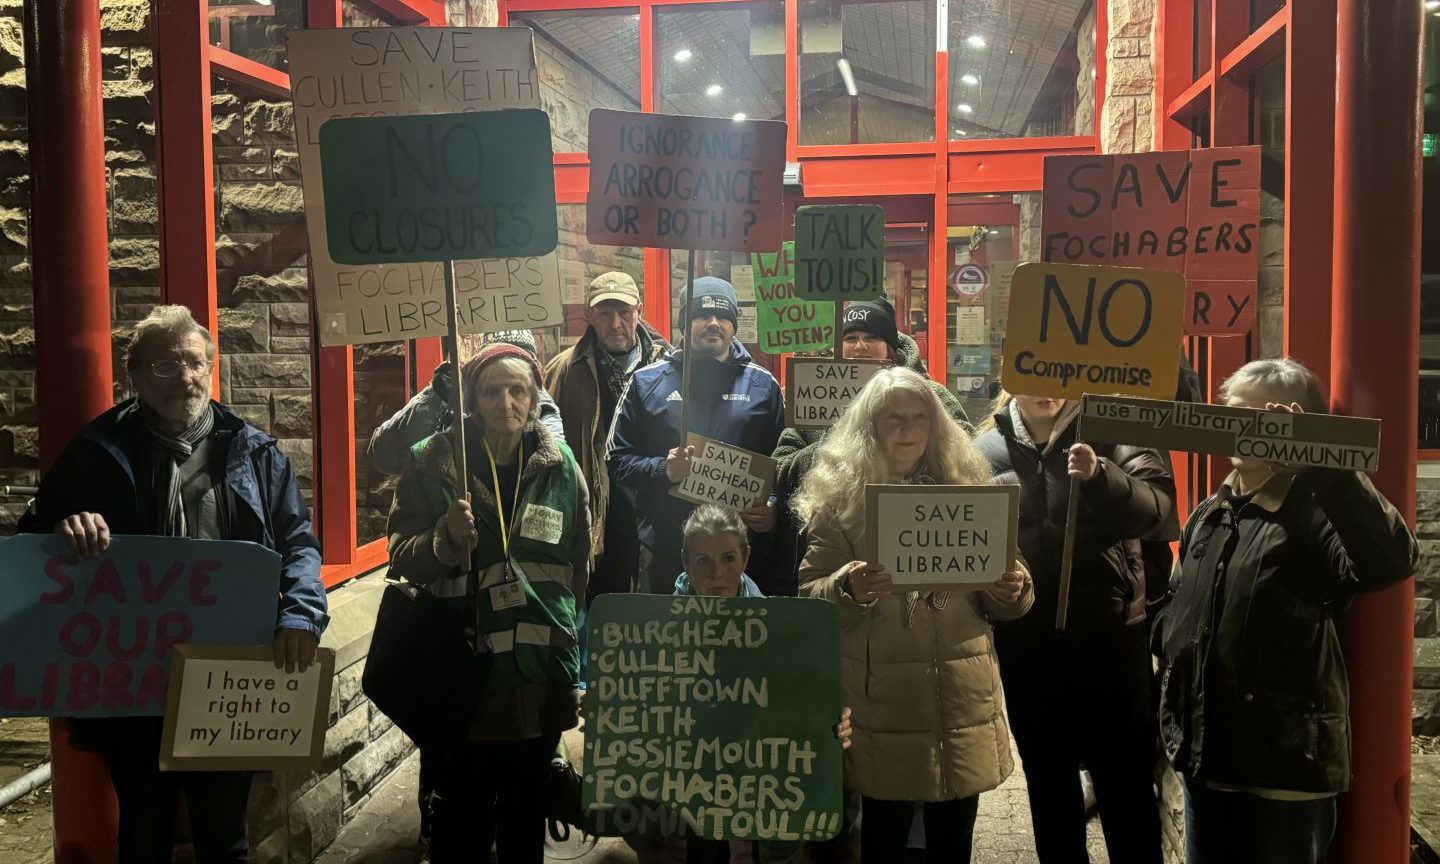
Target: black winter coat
<point x="1254" y="691"/>
<point x="1130" y="498"/>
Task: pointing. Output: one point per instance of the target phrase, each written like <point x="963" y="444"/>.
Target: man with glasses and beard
<point x="172" y="463"/>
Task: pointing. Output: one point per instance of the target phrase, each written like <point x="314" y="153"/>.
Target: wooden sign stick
<point x="457" y="395"/>
<point x="839" y="325"/>
<point x="689" y="349"/>
<point x="1067" y="558"/>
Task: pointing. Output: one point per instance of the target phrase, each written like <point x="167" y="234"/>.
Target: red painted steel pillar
<point x="1374" y="352"/>
<point x="69" y="257"/>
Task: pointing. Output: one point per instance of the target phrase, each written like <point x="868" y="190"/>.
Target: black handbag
<point x="423" y="671"/>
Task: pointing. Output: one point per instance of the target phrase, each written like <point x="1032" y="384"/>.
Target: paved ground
<point x="385" y="832"/>
<point x="24" y="825"/>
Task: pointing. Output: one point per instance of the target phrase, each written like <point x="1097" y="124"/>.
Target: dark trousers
<point x="1083" y="700"/>
<point x="148" y="797"/>
<point x="491" y="792"/>
<point x="949" y="829"/>
<point x="1240" y="828"/>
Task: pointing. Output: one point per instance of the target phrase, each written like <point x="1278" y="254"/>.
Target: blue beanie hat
<point x="714" y="296"/>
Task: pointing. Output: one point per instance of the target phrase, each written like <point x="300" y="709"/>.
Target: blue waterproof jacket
<point x="734" y="401"/>
<point x="260" y="500"/>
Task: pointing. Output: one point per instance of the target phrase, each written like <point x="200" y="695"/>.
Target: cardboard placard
<point x="1195" y="212"/>
<point x="397" y="71"/>
<point x="1077" y="329"/>
<point x="91" y="637"/>
<point x="675" y="182"/>
<point x="942" y="538"/>
<point x="713" y="717"/>
<point x="818" y="390"/>
<point x="1310" y="440"/>
<point x="438" y="187"/>
<point x="725" y="475"/>
<point x="230" y="709"/>
<point x="840" y="252"/>
<point x="788" y="324"/>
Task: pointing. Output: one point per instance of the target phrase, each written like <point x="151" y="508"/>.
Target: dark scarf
<point x="170" y="452"/>
<point x="615" y="369"/>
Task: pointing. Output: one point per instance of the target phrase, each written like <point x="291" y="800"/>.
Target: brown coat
<point x="572" y="379"/>
<point x="929" y="721"/>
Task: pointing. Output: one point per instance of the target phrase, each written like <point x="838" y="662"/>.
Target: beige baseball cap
<point x="614" y="285"/>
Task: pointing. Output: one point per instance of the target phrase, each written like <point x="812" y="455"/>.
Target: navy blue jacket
<point x="260" y="501"/>
<point x="735" y="401"/>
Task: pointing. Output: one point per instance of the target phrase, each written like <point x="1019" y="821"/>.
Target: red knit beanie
<point x="470" y="372"/>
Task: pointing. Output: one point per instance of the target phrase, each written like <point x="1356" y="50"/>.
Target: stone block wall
<point x="261" y="288"/>
<point x="294" y="815"/>
<point x="1425" y="716"/>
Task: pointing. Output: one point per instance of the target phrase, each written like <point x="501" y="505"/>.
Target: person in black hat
<point x="868" y="333"/>
<point x="732" y="400"/>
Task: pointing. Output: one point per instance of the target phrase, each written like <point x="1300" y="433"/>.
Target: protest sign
<point x="685" y="182"/>
<point x="1311" y="440"/>
<point x="788" y="324"/>
<point x="969" y="360"/>
<point x="1196" y="213"/>
<point x="713" y="717"/>
<point x="91" y="637"/>
<point x="395" y="71"/>
<point x="840" y="252"/>
<point x="438" y="187"/>
<point x="725" y="475"/>
<point x="941" y="538"/>
<point x="1077" y="329"/>
<point x="230" y="709"/>
<point x="817" y="391"/>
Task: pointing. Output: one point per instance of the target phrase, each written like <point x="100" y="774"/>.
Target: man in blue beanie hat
<point x="732" y="400"/>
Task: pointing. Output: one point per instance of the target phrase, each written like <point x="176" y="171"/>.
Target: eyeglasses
<point x="171" y="368"/>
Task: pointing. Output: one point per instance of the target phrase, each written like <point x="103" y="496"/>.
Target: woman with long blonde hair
<point x="919" y="668"/>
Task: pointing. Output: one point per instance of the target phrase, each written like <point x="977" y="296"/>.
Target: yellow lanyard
<point x="500" y="508"/>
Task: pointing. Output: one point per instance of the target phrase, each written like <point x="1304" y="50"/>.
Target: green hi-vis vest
<point x="536" y="642"/>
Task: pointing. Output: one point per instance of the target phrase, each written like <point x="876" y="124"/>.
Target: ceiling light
<point x="1432" y="4"/>
<point x="738" y="116"/>
<point x="961" y="132"/>
<point x="972" y="80"/>
<point x="714" y="90"/>
<point x="965" y="108"/>
<point x="683" y="54"/>
<point x="263" y="2"/>
<point x="976" y="41"/>
<point x="847" y="76"/>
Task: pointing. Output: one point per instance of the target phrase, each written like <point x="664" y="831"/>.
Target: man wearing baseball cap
<point x="587" y="381"/>
<point x="732" y="400"/>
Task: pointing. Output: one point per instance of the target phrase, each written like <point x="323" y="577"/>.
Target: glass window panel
<point x="722" y="60"/>
<point x="1267" y="88"/>
<point x="586" y="61"/>
<point x="1262" y="10"/>
<point x="1430" y="245"/>
<point x="255" y="30"/>
<point x="992" y="233"/>
<point x="867" y="72"/>
<point x="1022" y="70"/>
<point x="380" y="391"/>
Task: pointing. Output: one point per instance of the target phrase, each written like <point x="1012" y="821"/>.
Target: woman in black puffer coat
<point x="1082" y="697"/>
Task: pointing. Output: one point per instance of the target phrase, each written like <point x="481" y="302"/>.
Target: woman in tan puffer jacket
<point x="919" y="669"/>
